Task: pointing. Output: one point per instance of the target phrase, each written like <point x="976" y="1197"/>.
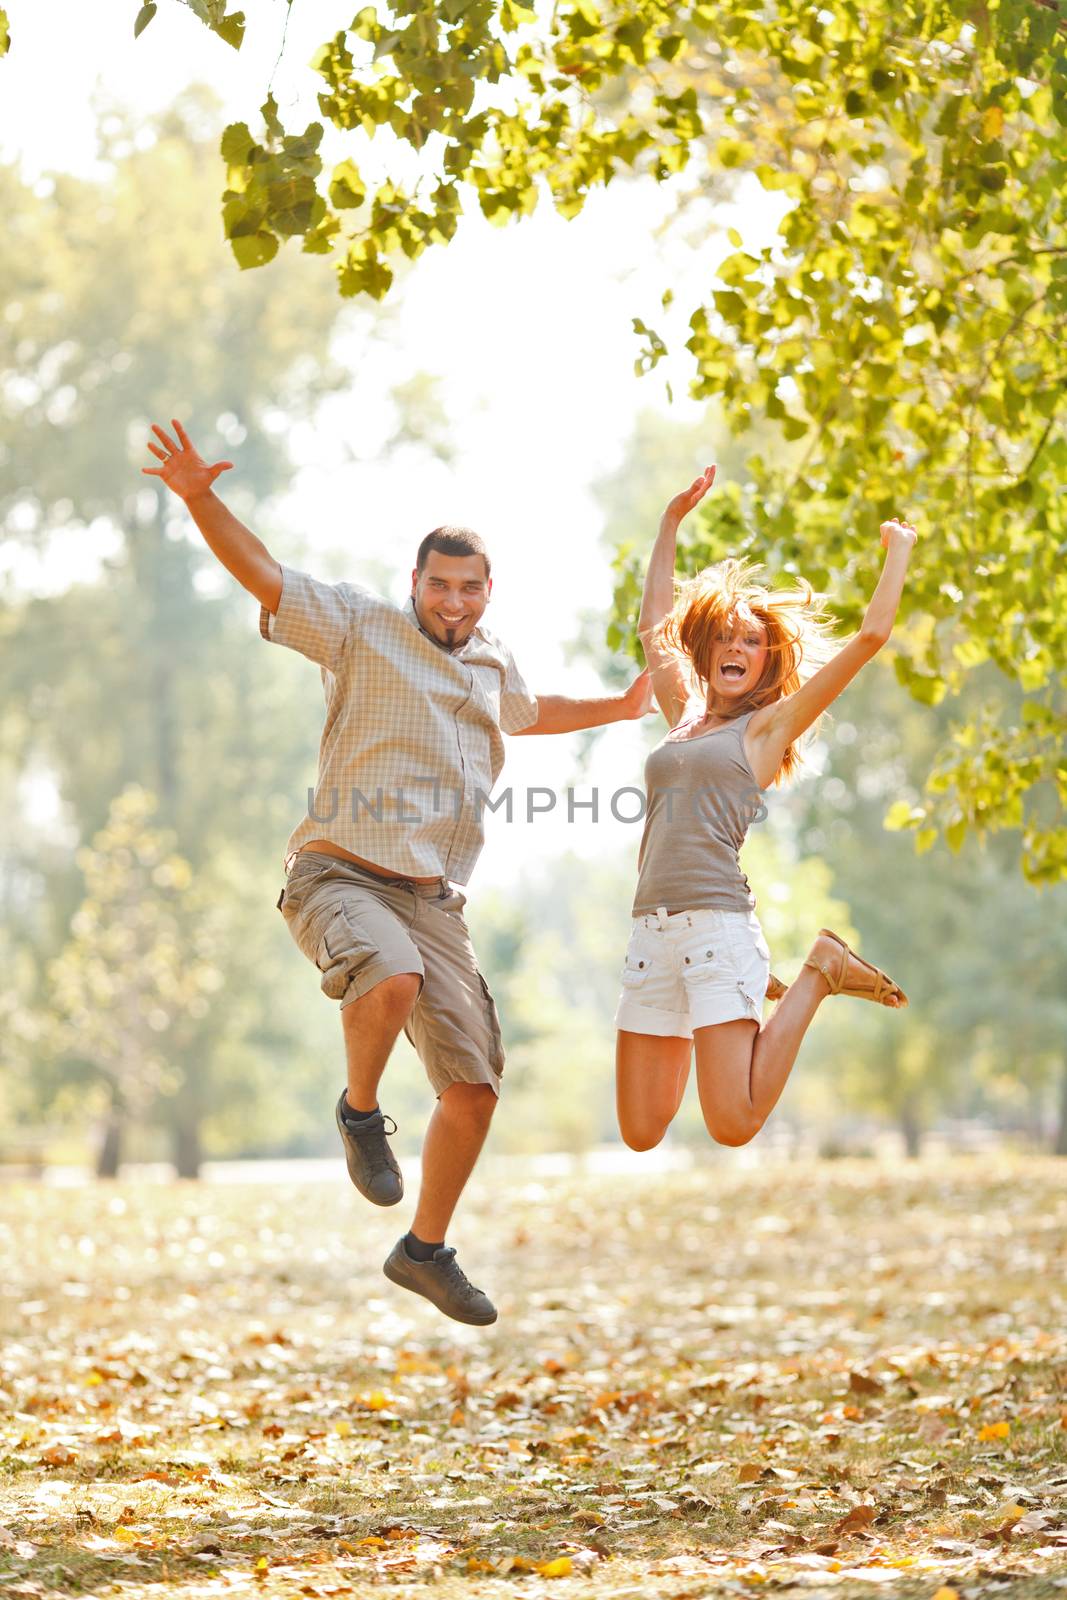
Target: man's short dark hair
<point x="452" y="541"/>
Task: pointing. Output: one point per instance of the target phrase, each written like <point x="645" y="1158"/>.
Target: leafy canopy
<point x="906" y="330"/>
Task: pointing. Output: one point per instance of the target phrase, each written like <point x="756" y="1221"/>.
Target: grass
<point x="838" y="1378"/>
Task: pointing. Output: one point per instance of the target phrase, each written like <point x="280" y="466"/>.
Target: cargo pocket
<point x="701" y="962"/>
<point x="492" y="1022"/>
<point x="635" y="969"/>
<point x="752" y="957"/>
<point x="342" y="950"/>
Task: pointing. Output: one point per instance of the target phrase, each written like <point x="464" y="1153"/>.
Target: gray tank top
<point x="702" y="797"/>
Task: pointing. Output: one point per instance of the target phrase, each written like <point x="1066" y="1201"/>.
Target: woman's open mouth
<point x="731" y="669"/>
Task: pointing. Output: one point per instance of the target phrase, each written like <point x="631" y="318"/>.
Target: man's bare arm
<point x="557" y="713"/>
<point x="190" y="477"/>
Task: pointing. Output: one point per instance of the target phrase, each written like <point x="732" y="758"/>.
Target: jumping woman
<point x="697" y="964"/>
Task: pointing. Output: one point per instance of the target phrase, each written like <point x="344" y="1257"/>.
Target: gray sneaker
<point x="442" y="1281"/>
<point x="372" y="1166"/>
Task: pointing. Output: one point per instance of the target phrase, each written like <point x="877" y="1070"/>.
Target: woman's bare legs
<point x="650" y="1078"/>
<point x="742" y="1068"/>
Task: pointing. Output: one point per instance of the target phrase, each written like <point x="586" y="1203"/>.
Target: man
<point x="416" y="700"/>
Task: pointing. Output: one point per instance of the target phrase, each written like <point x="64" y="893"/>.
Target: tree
<point x="908" y="325"/>
<point x="140" y="966"/>
<point x="981" y="953"/>
<point x="121" y="307"/>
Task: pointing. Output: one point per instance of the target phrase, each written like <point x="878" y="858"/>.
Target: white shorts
<point x="691" y="970"/>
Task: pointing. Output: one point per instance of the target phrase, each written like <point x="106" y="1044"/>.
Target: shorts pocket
<point x="635" y="969"/>
<point x="343" y="949"/>
<point x="704" y="958"/>
<point x="300" y="880"/>
<point x="492" y="1021"/>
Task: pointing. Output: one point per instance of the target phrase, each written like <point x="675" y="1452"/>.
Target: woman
<point x="697" y="964"/>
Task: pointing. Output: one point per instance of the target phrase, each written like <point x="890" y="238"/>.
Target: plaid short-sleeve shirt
<point x="411" y="745"/>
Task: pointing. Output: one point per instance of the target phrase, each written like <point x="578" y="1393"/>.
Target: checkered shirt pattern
<point x="411" y="745"/>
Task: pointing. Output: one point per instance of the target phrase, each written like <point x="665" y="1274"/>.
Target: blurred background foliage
<point x="152" y="1004"/>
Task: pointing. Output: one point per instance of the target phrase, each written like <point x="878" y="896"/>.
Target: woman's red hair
<point x="709" y="606"/>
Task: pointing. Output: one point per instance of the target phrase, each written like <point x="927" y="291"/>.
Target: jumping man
<point x="417" y="698"/>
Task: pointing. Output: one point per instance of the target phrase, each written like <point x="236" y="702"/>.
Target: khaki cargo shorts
<point x="359" y="928"/>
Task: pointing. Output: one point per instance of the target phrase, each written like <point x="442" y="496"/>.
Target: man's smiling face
<point x="450" y="595"/>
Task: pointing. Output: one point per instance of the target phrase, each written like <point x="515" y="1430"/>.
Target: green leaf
<point x="5" y="34"/>
<point x="364" y="272"/>
<point x="291" y="205"/>
<point x="737" y="267"/>
<point x="144" y="17"/>
<point x="318" y="241"/>
<point x="254" y="249"/>
<point x="902" y="814"/>
<point x="269" y="108"/>
<point x="347" y="189"/>
<point x="231" y="29"/>
<point x="236" y="144"/>
<point x="955" y="834"/>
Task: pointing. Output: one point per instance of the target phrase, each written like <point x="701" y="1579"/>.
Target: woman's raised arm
<point x="668" y="680"/>
<point x="774" y="728"/>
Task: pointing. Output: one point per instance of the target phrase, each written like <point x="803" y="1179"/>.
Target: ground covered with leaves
<point x="830" y="1379"/>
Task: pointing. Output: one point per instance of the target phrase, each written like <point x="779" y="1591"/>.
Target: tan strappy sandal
<point x="775" y="988"/>
<point x="880" y="988"/>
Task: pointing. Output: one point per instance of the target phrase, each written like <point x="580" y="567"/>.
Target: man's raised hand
<point x="637" y="699"/>
<point x="683" y="503"/>
<point x="184" y="470"/>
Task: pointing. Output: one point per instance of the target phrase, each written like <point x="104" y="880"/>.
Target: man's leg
<point x="421" y="1261"/>
<point x="372" y="1026"/>
<point x="452" y="1145"/>
<point x="456" y="1031"/>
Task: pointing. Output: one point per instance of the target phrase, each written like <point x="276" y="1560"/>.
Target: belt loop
<point x="661" y="913"/>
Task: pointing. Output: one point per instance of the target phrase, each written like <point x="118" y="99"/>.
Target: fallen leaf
<point x="377" y="1401"/>
<point x="859" y="1517"/>
<point x="1034" y="1521"/>
<point x="562" y="1567"/>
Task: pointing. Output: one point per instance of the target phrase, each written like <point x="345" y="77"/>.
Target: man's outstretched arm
<point x="557" y="713"/>
<point x="190" y="477"/>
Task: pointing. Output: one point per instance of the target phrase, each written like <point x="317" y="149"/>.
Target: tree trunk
<point x="187" y="1152"/>
<point x="109" y="1155"/>
<point x="912" y="1132"/>
<point x="1060" y="1146"/>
